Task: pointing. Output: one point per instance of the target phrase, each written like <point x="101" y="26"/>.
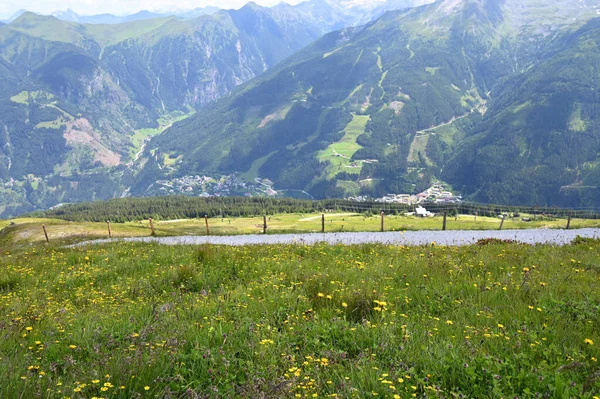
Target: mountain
<point x="110" y="19"/>
<point x="196" y="12"/>
<point x="539" y="142"/>
<point x="78" y="100"/>
<point x="411" y="97"/>
<point x="14" y="16"/>
<point x="353" y="13"/>
<point x="484" y="94"/>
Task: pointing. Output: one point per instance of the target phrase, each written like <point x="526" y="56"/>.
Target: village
<point x="206" y="186"/>
<point x="436" y="194"/>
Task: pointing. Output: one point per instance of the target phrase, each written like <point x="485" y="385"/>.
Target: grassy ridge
<point x="132" y="320"/>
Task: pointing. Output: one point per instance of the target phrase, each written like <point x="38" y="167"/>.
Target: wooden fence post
<point x="323" y="223"/>
<point x="151" y="226"/>
<point x="444" y="223"/>
<point x="382" y="218"/>
<point x="475" y="216"/>
<point x="109" y="232"/>
<point x="265" y="224"/>
<point x="206" y="223"/>
<point x="569" y="221"/>
<point x="45" y="232"/>
<point x="501" y="223"/>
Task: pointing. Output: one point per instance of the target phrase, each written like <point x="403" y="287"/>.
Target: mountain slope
<point x="76" y="98"/>
<point x="539" y="141"/>
<point x="356" y="111"/>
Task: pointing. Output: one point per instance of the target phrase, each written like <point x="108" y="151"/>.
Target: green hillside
<point x="77" y="101"/>
<point x="539" y="142"/>
<point x="460" y="90"/>
<point x="422" y="79"/>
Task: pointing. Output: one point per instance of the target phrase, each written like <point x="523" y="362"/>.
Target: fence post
<point x="569" y="221"/>
<point x="206" y="224"/>
<point x="109" y="232"/>
<point x="501" y="223"/>
<point x="264" y="224"/>
<point x="151" y="226"/>
<point x="45" y="232"/>
<point x="475" y="216"/>
<point x="444" y="223"/>
<point x="382" y="218"/>
<point x="323" y="223"/>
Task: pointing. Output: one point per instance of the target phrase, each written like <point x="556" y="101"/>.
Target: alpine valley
<point x="498" y="98"/>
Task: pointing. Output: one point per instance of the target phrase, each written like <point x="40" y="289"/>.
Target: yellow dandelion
<point x="588" y="341"/>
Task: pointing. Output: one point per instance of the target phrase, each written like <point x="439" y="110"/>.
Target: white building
<point x="422" y="212"/>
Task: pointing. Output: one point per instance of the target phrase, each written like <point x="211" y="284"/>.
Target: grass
<point x="135" y="320"/>
<point x="347" y="146"/>
<point x="576" y="122"/>
<point x="141" y="135"/>
<point x="252" y="173"/>
<point x="27" y="231"/>
<point x="112" y="34"/>
<point x="21" y="98"/>
<point x="419" y="145"/>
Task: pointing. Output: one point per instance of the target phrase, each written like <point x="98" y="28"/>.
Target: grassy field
<point x="339" y="153"/>
<point x="136" y="321"/>
<point x="26" y="231"/>
<point x="141" y="135"/>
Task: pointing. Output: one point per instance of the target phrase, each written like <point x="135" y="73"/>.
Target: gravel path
<point x="449" y="237"/>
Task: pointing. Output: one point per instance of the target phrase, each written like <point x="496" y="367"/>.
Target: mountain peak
<point x="68" y="15"/>
<point x="252" y="6"/>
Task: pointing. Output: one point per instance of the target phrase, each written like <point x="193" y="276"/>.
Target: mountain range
<point x="72" y="16"/>
<point x="496" y="97"/>
<point x="466" y="91"/>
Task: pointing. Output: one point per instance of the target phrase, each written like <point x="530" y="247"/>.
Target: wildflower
<point x="588" y="341"/>
<point x="344" y="304"/>
<point x="146" y="388"/>
<point x="449" y="322"/>
<point x="320" y="295"/>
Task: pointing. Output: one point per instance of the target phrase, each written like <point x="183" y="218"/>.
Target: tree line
<point x="181" y="207"/>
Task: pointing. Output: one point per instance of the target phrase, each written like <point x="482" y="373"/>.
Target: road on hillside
<point x="423" y="237"/>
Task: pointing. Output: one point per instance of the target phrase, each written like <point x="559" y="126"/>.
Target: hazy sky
<point x="118" y="7"/>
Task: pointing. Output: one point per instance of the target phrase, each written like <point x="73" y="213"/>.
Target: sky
<point x="118" y="7"/>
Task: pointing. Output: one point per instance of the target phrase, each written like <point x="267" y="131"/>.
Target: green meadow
<point x="495" y="320"/>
